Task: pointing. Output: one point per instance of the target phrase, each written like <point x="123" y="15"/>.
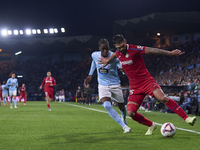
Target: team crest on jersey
<point x="127" y="55"/>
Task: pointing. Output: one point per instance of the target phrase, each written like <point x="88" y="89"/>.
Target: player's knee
<point x="131" y="114"/>
<point x="163" y="99"/>
<point x="122" y="108"/>
<point x="107" y="105"/>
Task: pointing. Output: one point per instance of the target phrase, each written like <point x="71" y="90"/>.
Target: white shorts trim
<point x="5" y="95"/>
<point x="61" y="97"/>
<point x="12" y="93"/>
<point x="112" y="91"/>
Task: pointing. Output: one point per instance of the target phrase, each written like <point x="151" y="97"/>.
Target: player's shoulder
<point x="96" y="54"/>
<point x="135" y="47"/>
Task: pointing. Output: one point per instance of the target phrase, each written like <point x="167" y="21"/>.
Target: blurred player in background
<point x="62" y="95"/>
<point x="79" y="94"/>
<point x="12" y="84"/>
<point x="109" y="84"/>
<point x="57" y="96"/>
<point x="140" y="80"/>
<point x="22" y="91"/>
<point x="4" y="93"/>
<point x="88" y="91"/>
<point x="48" y="82"/>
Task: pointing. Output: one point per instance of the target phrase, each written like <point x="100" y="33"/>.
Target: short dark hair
<point x="117" y="39"/>
<point x="103" y="41"/>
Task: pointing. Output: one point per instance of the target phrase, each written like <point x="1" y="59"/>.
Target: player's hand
<point x="103" y="61"/>
<point x="40" y="87"/>
<point x="51" y="84"/>
<point x="87" y="80"/>
<point x="176" y="52"/>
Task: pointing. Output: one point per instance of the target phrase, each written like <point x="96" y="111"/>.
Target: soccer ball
<point x="168" y="129"/>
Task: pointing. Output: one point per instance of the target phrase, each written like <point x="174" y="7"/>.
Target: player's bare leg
<point x="48" y="105"/>
<point x="20" y="99"/>
<point x="113" y="114"/>
<point x="122" y="109"/>
<point x="11" y="102"/>
<point x="25" y="99"/>
<point x="159" y="94"/>
<point x="15" y="101"/>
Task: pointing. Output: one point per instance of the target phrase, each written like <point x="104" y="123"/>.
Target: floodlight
<point x="16" y="32"/>
<point x="9" y="32"/>
<point x="158" y="34"/>
<point x="28" y="31"/>
<point x="4" y="32"/>
<point x="18" y="53"/>
<point x="55" y="30"/>
<point x="20" y="76"/>
<point x="38" y="31"/>
<point x="33" y="31"/>
<point x="45" y="31"/>
<point x="51" y="30"/>
<point x="21" y="32"/>
<point x="62" y="30"/>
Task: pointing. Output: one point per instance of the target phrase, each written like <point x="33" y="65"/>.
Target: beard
<point x="123" y="51"/>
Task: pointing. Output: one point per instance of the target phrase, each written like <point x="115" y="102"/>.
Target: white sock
<point x="113" y="114"/>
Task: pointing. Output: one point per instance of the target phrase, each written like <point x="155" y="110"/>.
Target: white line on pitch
<point x="129" y="117"/>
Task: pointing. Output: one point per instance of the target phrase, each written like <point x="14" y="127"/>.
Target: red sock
<point x="48" y="105"/>
<point x="176" y="108"/>
<point x="25" y="100"/>
<point x="142" y="120"/>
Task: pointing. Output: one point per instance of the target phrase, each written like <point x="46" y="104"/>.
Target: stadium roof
<point x="170" y="23"/>
<point x="40" y="46"/>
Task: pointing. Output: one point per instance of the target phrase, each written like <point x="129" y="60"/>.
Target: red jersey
<point x="0" y="89"/>
<point x="134" y="66"/>
<point x="22" y="90"/>
<point x="47" y="82"/>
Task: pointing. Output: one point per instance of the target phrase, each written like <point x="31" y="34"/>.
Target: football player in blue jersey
<point x="109" y="83"/>
<point x="12" y="84"/>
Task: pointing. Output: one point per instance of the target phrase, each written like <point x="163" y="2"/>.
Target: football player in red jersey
<point x="140" y="80"/>
<point x="48" y="82"/>
<point x="22" y="91"/>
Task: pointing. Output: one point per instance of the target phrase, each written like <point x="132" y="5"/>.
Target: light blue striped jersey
<point x="4" y="89"/>
<point x="14" y="83"/>
<point x="107" y="75"/>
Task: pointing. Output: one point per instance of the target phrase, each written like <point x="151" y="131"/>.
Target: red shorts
<point x="23" y="95"/>
<point x="137" y="95"/>
<point x="1" y="96"/>
<point x="48" y="94"/>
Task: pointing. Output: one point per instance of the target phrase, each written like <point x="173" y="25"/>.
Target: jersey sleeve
<point x="118" y="63"/>
<point x="140" y="49"/>
<point x="8" y="82"/>
<point x="54" y="82"/>
<point x="16" y="82"/>
<point x="43" y="82"/>
<point x="92" y="68"/>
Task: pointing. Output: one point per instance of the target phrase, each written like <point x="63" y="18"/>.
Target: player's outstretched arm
<point x="151" y="50"/>
<point x="87" y="80"/>
<point x="106" y="61"/>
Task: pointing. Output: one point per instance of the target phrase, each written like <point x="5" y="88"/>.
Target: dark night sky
<point x="83" y="17"/>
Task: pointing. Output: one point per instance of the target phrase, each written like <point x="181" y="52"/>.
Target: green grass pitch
<point x="68" y="127"/>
